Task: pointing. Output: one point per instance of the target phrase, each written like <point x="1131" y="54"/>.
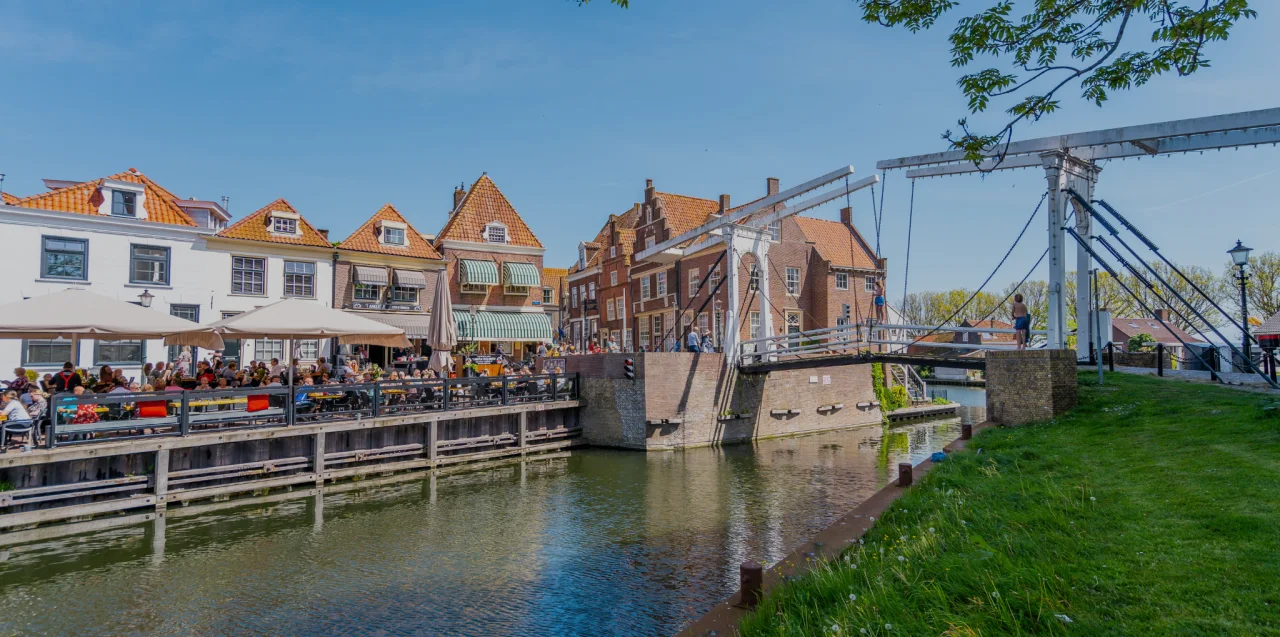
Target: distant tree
<point x="1263" y="287"/>
<point x="1141" y="342"/>
<point x="1035" y="294"/>
<point x="1042" y="46"/>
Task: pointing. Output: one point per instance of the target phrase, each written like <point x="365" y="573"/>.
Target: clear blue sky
<point x="340" y="107"/>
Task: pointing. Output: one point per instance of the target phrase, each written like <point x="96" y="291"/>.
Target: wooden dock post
<point x="433" y="439"/>
<point x="524" y="429"/>
<point x="904" y="474"/>
<point x="317" y="458"/>
<point x="751" y="577"/>
<point x="161" y="479"/>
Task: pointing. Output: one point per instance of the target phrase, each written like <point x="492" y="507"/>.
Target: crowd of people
<point x="694" y="341"/>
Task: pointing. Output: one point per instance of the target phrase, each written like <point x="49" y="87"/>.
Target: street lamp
<point x="144" y="299"/>
<point x="1240" y="256"/>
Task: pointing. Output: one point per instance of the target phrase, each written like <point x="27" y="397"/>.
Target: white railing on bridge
<point x="851" y="339"/>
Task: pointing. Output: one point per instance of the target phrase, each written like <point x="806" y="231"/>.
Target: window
<point x="189" y="312"/>
<point x="393" y="236"/>
<point x="702" y="323"/>
<point x="644" y="333"/>
<point x="793" y="322"/>
<point x="299" y="279"/>
<point x="753" y="282"/>
<point x="870" y="284"/>
<point x="548" y="296"/>
<point x="124" y="204"/>
<point x="495" y="233"/>
<point x="119" y="352"/>
<point x="408" y="296"/>
<point x="695" y="279"/>
<point x="657" y="331"/>
<point x="248" y="276"/>
<point x="648" y="242"/>
<point x="613" y="251"/>
<point x="52" y="353"/>
<point x="591" y="289"/>
<point x="775" y="231"/>
<point x="793" y="281"/>
<point x="308" y="351"/>
<point x="149" y="264"/>
<point x="367" y="292"/>
<point x="644" y="289"/>
<point x="582" y="257"/>
<point x="755" y="325"/>
<point x="475" y="288"/>
<point x="267" y="349"/>
<point x="284" y="225"/>
<point x="64" y="258"/>
<point x="613" y="278"/>
<point x="662" y="284"/>
<point x="574" y="294"/>
<point x="719" y="325"/>
<point x="713" y="280"/>
<point x="608" y="309"/>
<point x="842" y="280"/>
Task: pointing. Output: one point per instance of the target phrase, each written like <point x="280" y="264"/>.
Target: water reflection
<point x="596" y="542"/>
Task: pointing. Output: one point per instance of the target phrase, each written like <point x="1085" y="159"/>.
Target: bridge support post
<point x="1063" y="171"/>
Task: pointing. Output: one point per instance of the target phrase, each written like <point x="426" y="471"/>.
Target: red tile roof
<point x="841" y="245"/>
<point x="483" y="204"/>
<point x="1131" y="327"/>
<point x="684" y="213"/>
<point x="254" y="228"/>
<point x="8" y="198"/>
<point x="85" y="197"/>
<point x="365" y="238"/>
<point x="554" y="278"/>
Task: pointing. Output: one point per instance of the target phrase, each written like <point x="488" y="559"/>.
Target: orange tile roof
<point x="483" y="204"/>
<point x="839" y="244"/>
<point x="365" y="238"/>
<point x="254" y="228"/>
<point x="85" y="197"/>
<point x="684" y="213"/>
<point x="554" y="278"/>
<point x="8" y="198"/>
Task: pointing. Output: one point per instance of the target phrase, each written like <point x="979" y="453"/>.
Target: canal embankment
<point x="1148" y="509"/>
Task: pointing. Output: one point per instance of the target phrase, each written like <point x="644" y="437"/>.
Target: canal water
<point x="595" y="542"/>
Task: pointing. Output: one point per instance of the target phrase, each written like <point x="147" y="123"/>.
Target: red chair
<point x="258" y="402"/>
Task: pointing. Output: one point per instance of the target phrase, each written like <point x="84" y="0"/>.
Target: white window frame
<point x="869" y="284"/>
<point x="573" y="294"/>
<point x="609" y="309"/>
<point x="842" y="280"/>
<point x="755" y="325"/>
<point x="793" y="282"/>
<point x="290" y="226"/>
<point x="301" y="283"/>
<point x="474" y="288"/>
<point x="648" y="243"/>
<point x="369" y="290"/>
<point x="591" y="290"/>
<point x="613" y="278"/>
<point x="775" y="231"/>
<point x="645" y="290"/>
<point x="496" y="232"/>
<point x="713" y="279"/>
<point x="390" y="239"/>
<point x="261" y="279"/>
<point x="643" y="325"/>
<point x="662" y="284"/>
<point x="753" y="278"/>
<point x="613" y="251"/>
<point x="695" y="279"/>
<point x="548" y="296"/>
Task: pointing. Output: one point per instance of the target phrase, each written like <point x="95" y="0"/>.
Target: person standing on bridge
<point x="1021" y="321"/>
<point x="879" y="301"/>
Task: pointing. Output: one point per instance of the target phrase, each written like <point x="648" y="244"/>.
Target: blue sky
<point x="340" y="107"/>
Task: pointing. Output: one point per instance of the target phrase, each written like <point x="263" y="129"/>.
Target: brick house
<point x="554" y="300"/>
<point x="1125" y="328"/>
<point x="494" y="270"/>
<point x="387" y="271"/>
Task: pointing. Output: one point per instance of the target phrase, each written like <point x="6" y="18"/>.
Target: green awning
<point x="521" y="274"/>
<point x="478" y="272"/>
<point x="503" y="326"/>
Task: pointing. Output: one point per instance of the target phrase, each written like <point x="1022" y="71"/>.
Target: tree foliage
<point x="1263" y="288"/>
<point x="1103" y="46"/>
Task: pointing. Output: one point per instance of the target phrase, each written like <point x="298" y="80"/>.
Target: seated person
<point x="34" y="402"/>
<point x="20" y="382"/>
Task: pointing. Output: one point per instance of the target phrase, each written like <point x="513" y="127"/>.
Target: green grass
<point x="1152" y="509"/>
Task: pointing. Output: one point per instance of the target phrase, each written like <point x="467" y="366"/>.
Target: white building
<point x="123" y="236"/>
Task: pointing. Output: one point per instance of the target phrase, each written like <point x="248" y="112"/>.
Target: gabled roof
<point x="85" y="197"/>
<point x="365" y="238"/>
<point x="840" y="244"/>
<point x="1269" y="326"/>
<point x="483" y="204"/>
<point x="8" y="198"/>
<point x="554" y="277"/>
<point x="684" y="213"/>
<point x="1132" y="327"/>
<point x="254" y="228"/>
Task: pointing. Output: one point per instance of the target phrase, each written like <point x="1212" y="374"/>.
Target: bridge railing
<point x="849" y="339"/>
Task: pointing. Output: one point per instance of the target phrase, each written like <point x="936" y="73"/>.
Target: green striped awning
<point x="521" y="274"/>
<point x="478" y="272"/>
<point x="503" y="326"/>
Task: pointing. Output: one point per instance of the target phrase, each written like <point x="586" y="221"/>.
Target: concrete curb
<point x="722" y="620"/>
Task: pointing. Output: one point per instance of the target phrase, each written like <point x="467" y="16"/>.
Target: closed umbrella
<point x="79" y="315"/>
<point x="442" y="332"/>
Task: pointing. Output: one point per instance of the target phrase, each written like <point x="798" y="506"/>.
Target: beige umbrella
<point x="442" y="332"/>
<point x="297" y="319"/>
<point x="79" y="315"/>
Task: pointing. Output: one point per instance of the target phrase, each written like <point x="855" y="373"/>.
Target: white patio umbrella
<point x="442" y="332"/>
<point x="82" y="315"/>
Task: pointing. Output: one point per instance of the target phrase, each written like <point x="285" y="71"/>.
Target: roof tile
<point x="483" y="204"/>
<point x="80" y="199"/>
<point x="365" y="238"/>
<point x="254" y="228"/>
<point x="838" y="243"/>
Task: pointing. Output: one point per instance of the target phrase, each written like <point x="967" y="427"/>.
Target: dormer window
<point x="495" y="232"/>
<point x="124" y="204"/>
<point x="282" y="225"/>
<point x="393" y="236"/>
<point x="582" y="257"/>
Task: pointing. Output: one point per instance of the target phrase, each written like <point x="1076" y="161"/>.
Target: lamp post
<point x="1240" y="256"/>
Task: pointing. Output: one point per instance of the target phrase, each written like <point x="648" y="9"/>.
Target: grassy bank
<point x="1152" y="509"/>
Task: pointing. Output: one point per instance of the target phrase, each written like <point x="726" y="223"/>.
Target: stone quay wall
<point x="1030" y="385"/>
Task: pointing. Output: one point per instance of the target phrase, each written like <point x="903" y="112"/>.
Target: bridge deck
<point x="816" y="362"/>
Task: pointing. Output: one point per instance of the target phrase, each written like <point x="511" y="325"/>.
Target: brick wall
<point x="1031" y="385"/>
<point x="344" y="287"/>
<point x="495" y="296"/>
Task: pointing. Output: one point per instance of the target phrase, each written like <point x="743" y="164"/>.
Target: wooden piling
<point x="904" y="474"/>
<point x="751" y="578"/>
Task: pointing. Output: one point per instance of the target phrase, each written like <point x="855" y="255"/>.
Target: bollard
<point x="904" y="474"/>
<point x="1111" y="356"/>
<point x="751" y="577"/>
<point x="966" y="432"/>
<point x="1159" y="359"/>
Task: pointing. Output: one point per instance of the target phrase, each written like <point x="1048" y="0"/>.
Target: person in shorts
<point x="1021" y="321"/>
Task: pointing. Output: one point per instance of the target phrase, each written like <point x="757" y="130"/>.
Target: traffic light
<point x="845" y="312"/>
<point x="629" y="368"/>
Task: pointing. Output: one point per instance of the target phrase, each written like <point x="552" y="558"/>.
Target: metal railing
<point x="849" y="339"/>
<point x="95" y="418"/>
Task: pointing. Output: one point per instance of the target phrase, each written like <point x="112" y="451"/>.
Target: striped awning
<point x="411" y="279"/>
<point x="478" y="272"/>
<point x="371" y="276"/>
<point x="413" y="324"/>
<point x="503" y="326"/>
<point x="521" y="274"/>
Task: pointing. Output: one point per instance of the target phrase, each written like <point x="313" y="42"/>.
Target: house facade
<point x="555" y="300"/>
<point x="1125" y="328"/>
<point x="388" y="271"/>
<point x="493" y="266"/>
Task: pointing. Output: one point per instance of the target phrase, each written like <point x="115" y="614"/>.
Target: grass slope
<point x="1152" y="509"/>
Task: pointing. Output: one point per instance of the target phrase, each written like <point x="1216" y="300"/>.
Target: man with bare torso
<point x="1021" y="321"/>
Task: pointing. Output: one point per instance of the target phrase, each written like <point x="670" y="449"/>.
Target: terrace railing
<point x="95" y="418"/>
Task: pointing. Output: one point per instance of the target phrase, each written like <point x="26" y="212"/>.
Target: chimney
<point x="724" y="204"/>
<point x="846" y="216"/>
<point x="324" y="233"/>
<point x="458" y="194"/>
<point x="648" y="190"/>
<point x="1163" y="314"/>
<point x="771" y="185"/>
